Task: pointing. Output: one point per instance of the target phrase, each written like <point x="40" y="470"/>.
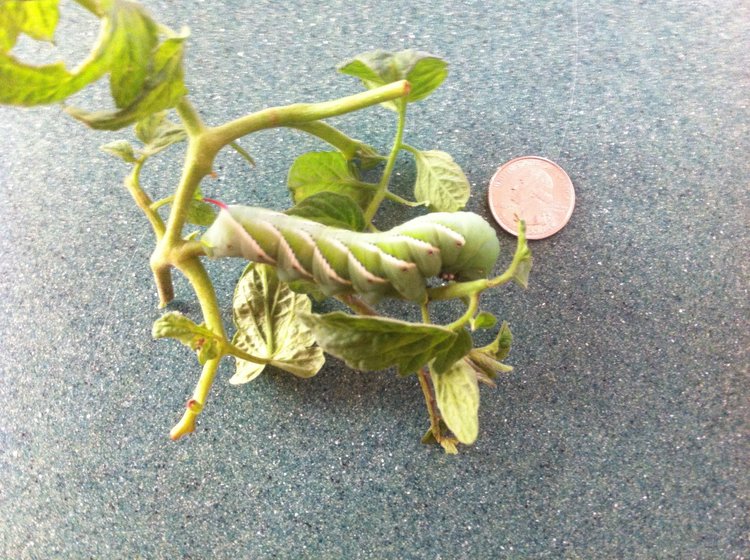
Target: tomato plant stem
<point x="378" y="197"/>
<point x="424" y="382"/>
<point x="300" y="113"/>
<point x="204" y="290"/>
<point x="143" y="201"/>
<point x="346" y="145"/>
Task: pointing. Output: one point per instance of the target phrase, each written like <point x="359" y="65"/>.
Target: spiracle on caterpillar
<point x="394" y="263"/>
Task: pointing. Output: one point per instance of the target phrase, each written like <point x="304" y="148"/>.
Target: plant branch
<point x="200" y="154"/>
<point x="409" y="148"/>
<point x="300" y="113"/>
<point x="424" y="307"/>
<point x="204" y="290"/>
<point x="457" y="290"/>
<point x="171" y="250"/>
<point x="332" y="135"/>
<point x="189" y="249"/>
<point x="198" y="160"/>
<point x="142" y="200"/>
<point x="240" y="150"/>
<point x="186" y="425"/>
<point x="229" y="349"/>
<point x="378" y="197"/>
<point x="190" y="117"/>
<point x="475" y="287"/>
<point x="155" y="205"/>
<point x="466" y="317"/>
<point x="424" y="382"/>
<point x="395" y="198"/>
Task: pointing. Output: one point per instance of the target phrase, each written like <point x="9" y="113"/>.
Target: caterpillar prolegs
<point x="394" y="263"/>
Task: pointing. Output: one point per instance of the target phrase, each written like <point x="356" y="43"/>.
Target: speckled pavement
<point x="623" y="430"/>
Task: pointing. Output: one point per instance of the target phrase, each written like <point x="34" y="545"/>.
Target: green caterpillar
<point x="394" y="263"/>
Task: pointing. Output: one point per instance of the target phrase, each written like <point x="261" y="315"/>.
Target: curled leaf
<point x="157" y="132"/>
<point x="487" y="360"/>
<point x="500" y="347"/>
<point x="37" y="19"/>
<point x="267" y="316"/>
<point x="124" y="48"/>
<point x="134" y="37"/>
<point x="483" y="320"/>
<point x="162" y="88"/>
<point x="522" y="259"/>
<point x="121" y="149"/>
<point x="424" y="71"/>
<point x="196" y="337"/>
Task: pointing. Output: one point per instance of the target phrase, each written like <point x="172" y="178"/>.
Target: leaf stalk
<point x="378" y="197"/>
<point x="332" y="135"/>
<point x="143" y="201"/>
<point x="466" y="317"/>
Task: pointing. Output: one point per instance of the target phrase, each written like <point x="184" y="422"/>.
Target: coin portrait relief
<point x="534" y="190"/>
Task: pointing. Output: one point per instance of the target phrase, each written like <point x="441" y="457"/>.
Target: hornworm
<point x="394" y="263"/>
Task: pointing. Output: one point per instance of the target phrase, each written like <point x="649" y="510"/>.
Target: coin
<point x="535" y="190"/>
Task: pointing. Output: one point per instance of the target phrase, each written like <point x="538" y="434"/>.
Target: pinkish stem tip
<point x="218" y="203"/>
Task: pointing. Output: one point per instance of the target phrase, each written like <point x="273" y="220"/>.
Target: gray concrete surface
<point x="622" y="432"/>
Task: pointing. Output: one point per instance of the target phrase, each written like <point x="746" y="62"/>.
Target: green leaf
<point x="457" y="395"/>
<point x="28" y="85"/>
<point x="266" y="313"/>
<point x="500" y="347"/>
<point x="147" y="129"/>
<point x="424" y="71"/>
<point x="426" y="74"/>
<point x="522" y="260"/>
<point x="96" y="7"/>
<point x="201" y="213"/>
<point x="142" y="75"/>
<point x="453" y="352"/>
<point x="157" y="132"/>
<point x="375" y="343"/>
<point x="316" y="172"/>
<point x="36" y="18"/>
<point x="32" y="85"/>
<point x="121" y="149"/>
<point x="484" y="320"/>
<point x="374" y="68"/>
<point x="196" y="337"/>
<point x="487" y="360"/>
<point x="331" y="209"/>
<point x="162" y="89"/>
<point x="440" y="181"/>
<point x="487" y="366"/>
<point x="135" y="36"/>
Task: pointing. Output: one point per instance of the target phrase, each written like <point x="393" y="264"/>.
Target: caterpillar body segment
<point x="394" y="263"/>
